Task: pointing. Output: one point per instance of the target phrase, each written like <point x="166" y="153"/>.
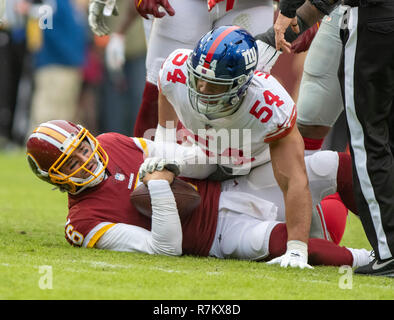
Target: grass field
<point x="32" y="219"/>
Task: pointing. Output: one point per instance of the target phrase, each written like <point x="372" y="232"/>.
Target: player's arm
<point x="168" y="120"/>
<point x="287" y="156"/>
<point x="165" y="236"/>
<point x="305" y="16"/>
<point x="192" y="160"/>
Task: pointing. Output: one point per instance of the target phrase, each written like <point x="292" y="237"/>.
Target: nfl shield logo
<point x="120" y="177"/>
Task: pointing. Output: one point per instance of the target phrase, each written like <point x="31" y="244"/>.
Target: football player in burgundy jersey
<point x="232" y="221"/>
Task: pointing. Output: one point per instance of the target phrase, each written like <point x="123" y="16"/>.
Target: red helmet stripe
<point x="216" y="43"/>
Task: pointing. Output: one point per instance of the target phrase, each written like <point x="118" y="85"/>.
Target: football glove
<point x="98" y="9"/>
<point x="296" y="256"/>
<point x="145" y="7"/>
<point x="115" y="52"/>
<point x="157" y="164"/>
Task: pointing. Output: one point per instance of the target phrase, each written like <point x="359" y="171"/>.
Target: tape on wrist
<point x="297" y="245"/>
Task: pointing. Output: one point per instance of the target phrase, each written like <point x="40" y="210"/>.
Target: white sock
<point x="361" y="257"/>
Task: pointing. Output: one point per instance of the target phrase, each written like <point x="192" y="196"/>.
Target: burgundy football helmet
<point x="52" y="143"/>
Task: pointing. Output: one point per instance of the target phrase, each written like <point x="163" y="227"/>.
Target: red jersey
<point x="95" y="210"/>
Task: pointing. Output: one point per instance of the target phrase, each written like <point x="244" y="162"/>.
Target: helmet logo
<point x="250" y="57"/>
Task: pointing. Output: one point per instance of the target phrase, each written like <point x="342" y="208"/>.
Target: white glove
<point x="158" y="164"/>
<point x="115" y="52"/>
<point x="267" y="56"/>
<point x="97" y="10"/>
<point x="296" y="256"/>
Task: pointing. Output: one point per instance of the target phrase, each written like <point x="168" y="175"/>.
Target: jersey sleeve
<point x="173" y="71"/>
<point x="276" y="109"/>
<point x="284" y="128"/>
<point x="85" y="233"/>
<point x="165" y="236"/>
<point x="193" y="161"/>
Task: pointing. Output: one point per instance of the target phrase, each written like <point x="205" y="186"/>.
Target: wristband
<point x="298" y="245"/>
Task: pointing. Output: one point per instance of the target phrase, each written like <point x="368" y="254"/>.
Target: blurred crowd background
<point x="53" y="67"/>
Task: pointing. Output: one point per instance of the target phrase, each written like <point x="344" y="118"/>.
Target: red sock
<point x="324" y="252"/>
<point x="345" y="182"/>
<point x="312" y="144"/>
<point x="320" y="252"/>
<point x="335" y="215"/>
<point x="148" y="114"/>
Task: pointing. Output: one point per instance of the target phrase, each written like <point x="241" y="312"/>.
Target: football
<point x="186" y="197"/>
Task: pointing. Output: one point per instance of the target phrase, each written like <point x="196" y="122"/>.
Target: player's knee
<point x="323" y="164"/>
<point x="335" y="215"/>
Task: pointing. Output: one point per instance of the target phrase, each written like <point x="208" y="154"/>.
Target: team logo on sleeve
<point x="250" y="57"/>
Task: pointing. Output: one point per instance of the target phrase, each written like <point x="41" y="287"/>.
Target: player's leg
<point x="335" y="216"/>
<point x="167" y="34"/>
<point x="321" y="167"/>
<point x="328" y="172"/>
<point x="320" y="102"/>
<point x="255" y="16"/>
<point x="241" y="236"/>
<point x="368" y="92"/>
<point x="320" y="252"/>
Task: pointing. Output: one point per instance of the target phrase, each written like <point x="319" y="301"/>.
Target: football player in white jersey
<point x="214" y="89"/>
<point x="179" y="25"/>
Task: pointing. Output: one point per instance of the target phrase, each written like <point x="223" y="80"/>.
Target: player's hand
<point x="159" y="175"/>
<point x="267" y="56"/>
<point x="303" y="42"/>
<point x="212" y="3"/>
<point x="98" y="9"/>
<point x="157" y="164"/>
<point x="146" y="7"/>
<point x="296" y="256"/>
<point x="280" y="26"/>
<point x="115" y="52"/>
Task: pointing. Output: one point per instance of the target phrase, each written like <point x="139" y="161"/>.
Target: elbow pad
<point x="325" y="6"/>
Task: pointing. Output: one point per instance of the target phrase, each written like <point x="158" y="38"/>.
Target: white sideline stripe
<point x="357" y="139"/>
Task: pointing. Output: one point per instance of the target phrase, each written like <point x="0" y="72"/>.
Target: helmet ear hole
<point x="37" y="171"/>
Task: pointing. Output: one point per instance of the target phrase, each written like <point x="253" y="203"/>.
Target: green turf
<point x="32" y="219"/>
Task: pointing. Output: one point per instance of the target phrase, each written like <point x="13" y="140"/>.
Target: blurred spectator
<point x="124" y="72"/>
<point x="59" y="61"/>
<point x="13" y="53"/>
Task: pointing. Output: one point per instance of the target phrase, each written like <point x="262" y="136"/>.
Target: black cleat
<point x="377" y="268"/>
